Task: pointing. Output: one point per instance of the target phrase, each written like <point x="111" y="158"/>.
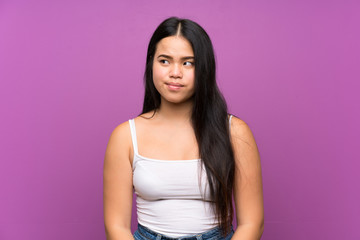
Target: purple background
<point x="71" y="71"/>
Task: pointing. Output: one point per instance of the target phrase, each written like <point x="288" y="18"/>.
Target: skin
<point x="159" y="138"/>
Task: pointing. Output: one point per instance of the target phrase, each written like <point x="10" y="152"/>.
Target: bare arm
<point x="248" y="190"/>
<point x="117" y="180"/>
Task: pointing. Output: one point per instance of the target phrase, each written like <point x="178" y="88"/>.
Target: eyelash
<point x="162" y="61"/>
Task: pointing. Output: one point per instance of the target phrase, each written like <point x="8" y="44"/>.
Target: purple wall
<point x="70" y="71"/>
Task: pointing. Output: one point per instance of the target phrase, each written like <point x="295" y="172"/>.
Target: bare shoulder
<point x="241" y="133"/>
<point x="239" y="128"/>
<point x="119" y="145"/>
<point x="121" y="132"/>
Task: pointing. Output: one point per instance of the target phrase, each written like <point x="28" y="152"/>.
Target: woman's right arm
<point x="118" y="187"/>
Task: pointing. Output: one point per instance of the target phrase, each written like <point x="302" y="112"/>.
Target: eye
<point x="189" y="63"/>
<point x="164" y="61"/>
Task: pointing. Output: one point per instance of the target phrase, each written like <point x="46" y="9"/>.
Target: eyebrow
<point x="169" y="57"/>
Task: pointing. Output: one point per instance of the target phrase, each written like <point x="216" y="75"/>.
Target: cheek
<point x="191" y="76"/>
<point x="158" y="77"/>
<point x="158" y="73"/>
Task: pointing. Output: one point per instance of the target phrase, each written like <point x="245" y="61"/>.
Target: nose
<point x="176" y="71"/>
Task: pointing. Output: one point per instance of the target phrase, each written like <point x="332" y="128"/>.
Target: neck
<point x="175" y="112"/>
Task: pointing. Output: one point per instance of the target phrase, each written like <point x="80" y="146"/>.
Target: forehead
<point x="173" y="46"/>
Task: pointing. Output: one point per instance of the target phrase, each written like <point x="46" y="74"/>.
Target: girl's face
<point x="174" y="69"/>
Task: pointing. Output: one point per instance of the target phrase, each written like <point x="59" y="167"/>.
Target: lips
<point x="175" y="84"/>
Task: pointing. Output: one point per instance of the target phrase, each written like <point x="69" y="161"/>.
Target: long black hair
<point x="209" y="114"/>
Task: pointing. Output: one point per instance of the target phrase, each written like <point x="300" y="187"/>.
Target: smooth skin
<point x="169" y="135"/>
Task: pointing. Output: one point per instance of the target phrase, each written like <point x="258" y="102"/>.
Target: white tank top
<point x="171" y="194"/>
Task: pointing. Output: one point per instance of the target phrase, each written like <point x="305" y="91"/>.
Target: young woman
<point x="186" y="158"/>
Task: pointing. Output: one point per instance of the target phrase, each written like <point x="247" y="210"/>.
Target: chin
<point x="174" y="101"/>
<point x="177" y="100"/>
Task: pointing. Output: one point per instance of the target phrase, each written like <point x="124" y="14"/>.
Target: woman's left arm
<point x="248" y="189"/>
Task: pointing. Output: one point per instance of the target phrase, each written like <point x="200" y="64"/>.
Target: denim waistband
<point x="214" y="233"/>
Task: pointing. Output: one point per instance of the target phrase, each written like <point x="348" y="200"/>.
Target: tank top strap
<point x="230" y="121"/>
<point x="133" y="136"/>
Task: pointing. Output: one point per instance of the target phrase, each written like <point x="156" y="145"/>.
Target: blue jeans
<point x="143" y="233"/>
